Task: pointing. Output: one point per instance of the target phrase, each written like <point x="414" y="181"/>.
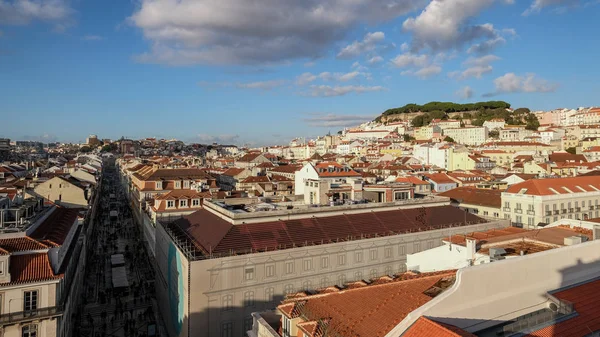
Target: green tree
<point x="477" y="122"/>
<point x="418" y="121"/>
<point x="494" y="134"/>
<point x="532" y="123"/>
<point x="522" y="111"/>
<point x="448" y="139"/>
<point x="85" y="149"/>
<point x="408" y="138"/>
<point x="571" y="150"/>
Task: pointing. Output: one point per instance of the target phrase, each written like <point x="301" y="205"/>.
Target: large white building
<point x="468" y="136"/>
<point x="542" y="201"/>
<point x="331" y="172"/>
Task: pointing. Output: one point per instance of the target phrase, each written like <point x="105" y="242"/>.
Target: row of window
<point x="307" y="264"/>
<point x="183" y="203"/>
<point x="555" y="207"/>
<point x="159" y="184"/>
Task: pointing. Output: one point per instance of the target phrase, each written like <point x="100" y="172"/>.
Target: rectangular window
<point x="29" y="330"/>
<point x="325" y="262"/>
<point x="289" y="267"/>
<point x="182" y="203"/>
<point x="186" y="184"/>
<point x="177" y="184"/>
<point x="170" y="203"/>
<point x="416" y="247"/>
<point x="248" y="323"/>
<point x="270" y="270"/>
<point x="227" y="302"/>
<point x="249" y="273"/>
<point x="196" y="202"/>
<point x="227" y="329"/>
<point x="269" y="294"/>
<point x="373" y="254"/>
<point x="159" y="185"/>
<point x="342" y="260"/>
<point x="387" y="252"/>
<point x="307" y="264"/>
<point x="30" y="300"/>
<point x="401" y="250"/>
<point x="358" y="257"/>
<point x="1" y="269"/>
<point x="249" y="299"/>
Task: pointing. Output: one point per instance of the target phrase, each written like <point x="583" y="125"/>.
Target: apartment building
<point x="68" y="192"/>
<point x="514" y="133"/>
<point x="332" y="172"/>
<point x="468" y="136"/>
<point x="494" y="124"/>
<point x="542" y="201"/>
<point x="4" y="144"/>
<point x="482" y="202"/>
<point x="220" y="264"/>
<point x="446" y="123"/>
<point x="428" y="132"/>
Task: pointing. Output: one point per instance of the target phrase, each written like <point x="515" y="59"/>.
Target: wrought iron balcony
<point x="30" y="315"/>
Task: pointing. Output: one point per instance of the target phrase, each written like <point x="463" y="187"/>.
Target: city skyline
<point x="166" y="69"/>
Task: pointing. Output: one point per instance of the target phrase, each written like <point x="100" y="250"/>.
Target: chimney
<point x="471" y="248"/>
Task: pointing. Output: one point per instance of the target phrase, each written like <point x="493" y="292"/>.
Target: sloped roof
<point x="554" y="186"/>
<point x="213" y="234"/>
<point x="475" y="196"/>
<point x="425" y="327"/>
<point x="29" y="268"/>
<point x="56" y="226"/>
<point x="373" y="310"/>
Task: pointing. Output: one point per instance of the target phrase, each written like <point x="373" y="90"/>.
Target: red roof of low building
<point x="425" y="327"/>
<point x="585" y="299"/>
<point x="56" y="226"/>
<point x="29" y="268"/>
<point x="475" y="196"/>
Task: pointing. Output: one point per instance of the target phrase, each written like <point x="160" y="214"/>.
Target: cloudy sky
<point x="264" y="71"/>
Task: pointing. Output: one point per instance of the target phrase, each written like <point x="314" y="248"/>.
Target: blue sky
<point x="265" y="71"/>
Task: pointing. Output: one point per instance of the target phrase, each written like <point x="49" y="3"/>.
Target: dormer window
<point x="170" y="203"/>
<point x="196" y="202"/>
<point x="183" y="203"/>
<point x="159" y="185"/>
<point x="178" y="184"/>
<point x="186" y="184"/>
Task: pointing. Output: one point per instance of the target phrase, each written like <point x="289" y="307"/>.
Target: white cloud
<point x="357" y="66"/>
<point x="335" y="120"/>
<point x="92" y="38"/>
<point x="465" y="92"/>
<point x="424" y="72"/>
<point x="476" y="67"/>
<point x="374" y="60"/>
<point x="219" y="139"/>
<point x="538" y="5"/>
<point x="445" y="24"/>
<point x="263" y="85"/>
<point x="253" y="32"/>
<point x="307" y="78"/>
<point x="512" y="83"/>
<point x="356" y="48"/>
<point x="22" y="12"/>
<point x="410" y="60"/>
<point x="330" y="91"/>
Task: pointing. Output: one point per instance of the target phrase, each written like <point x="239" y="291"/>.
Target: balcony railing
<point x="556" y="212"/>
<point x="518" y="210"/>
<point x="548" y="212"/>
<point x="37" y="314"/>
<point x="577" y="209"/>
<point x="531" y="212"/>
<point x="591" y="208"/>
<point x="507" y="209"/>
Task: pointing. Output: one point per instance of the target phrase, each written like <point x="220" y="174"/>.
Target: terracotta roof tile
<point x="552" y="186"/>
<point x="56" y="227"/>
<point x="475" y="196"/>
<point x="29" y="268"/>
<point x="425" y="327"/>
<point x="371" y="311"/>
<point x="20" y="244"/>
<point x="585" y="299"/>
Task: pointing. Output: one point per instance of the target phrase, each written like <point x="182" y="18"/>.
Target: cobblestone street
<point x="128" y="311"/>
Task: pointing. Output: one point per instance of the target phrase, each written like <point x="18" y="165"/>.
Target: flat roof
<point x="119" y="277"/>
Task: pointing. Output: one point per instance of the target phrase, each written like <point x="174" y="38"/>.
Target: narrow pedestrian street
<point x="122" y="304"/>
